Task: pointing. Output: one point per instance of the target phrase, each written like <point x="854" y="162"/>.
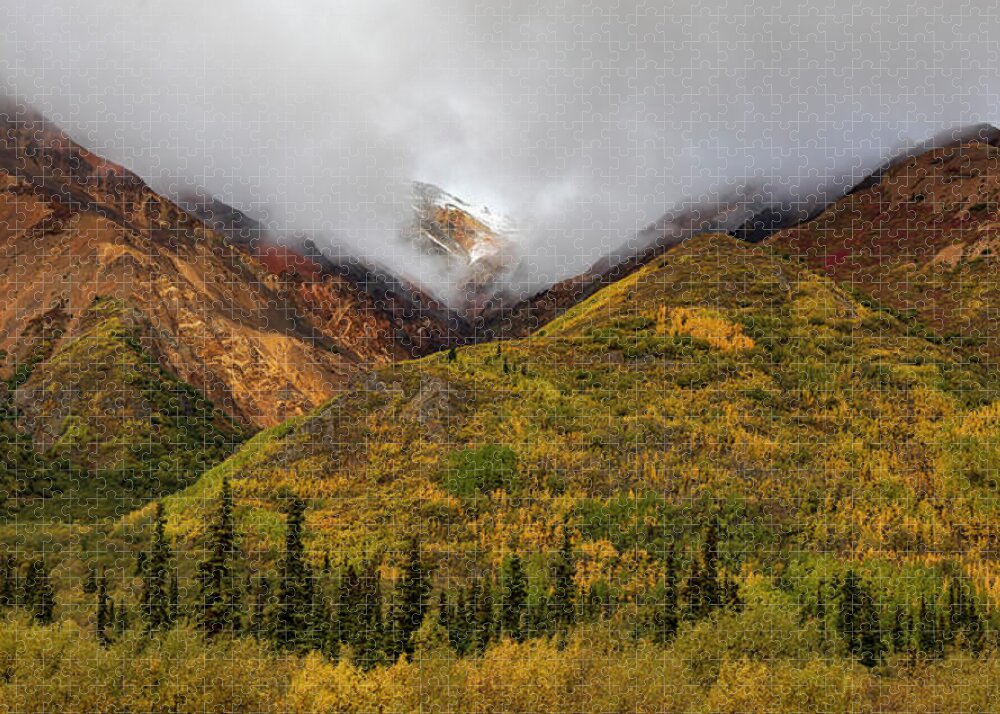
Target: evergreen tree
<point x="90" y="582"/>
<point x="928" y="641"/>
<point x="900" y="634"/>
<point x="39" y="595"/>
<point x="484" y="620"/>
<point x="156" y="581"/>
<point x="258" y="615"/>
<point x="8" y="580"/>
<point x="858" y="621"/>
<point x="452" y="355"/>
<point x="121" y="619"/>
<point x="514" y="598"/>
<point x="731" y="597"/>
<point x="105" y="611"/>
<point x="370" y="620"/>
<point x="175" y="598"/>
<point x="444" y="612"/>
<point x="564" y="583"/>
<point x="220" y="591"/>
<point x="704" y="592"/>
<point x="667" y="616"/>
<point x="322" y="627"/>
<point x="967" y="625"/>
<point x="821" y="609"/>
<point x="411" y="606"/>
<point x="349" y="607"/>
<point x="294" y="610"/>
<point x="712" y="591"/>
<point x="460" y="630"/>
<point x="475" y="594"/>
<point x="539" y="616"/>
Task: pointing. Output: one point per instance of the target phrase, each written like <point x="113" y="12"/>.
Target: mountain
<point x="719" y="380"/>
<point x="725" y="433"/>
<point x="378" y="315"/>
<point x="119" y="308"/>
<point x="803" y="230"/>
<point x="920" y="237"/>
<point x="472" y="240"/>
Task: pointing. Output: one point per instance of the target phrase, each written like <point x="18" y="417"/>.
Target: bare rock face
<point x="476" y="244"/>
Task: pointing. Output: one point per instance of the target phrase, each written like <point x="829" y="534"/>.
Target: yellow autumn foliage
<point x="62" y="669"/>
<point x="702" y="324"/>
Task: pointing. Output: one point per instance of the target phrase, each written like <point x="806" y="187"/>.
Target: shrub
<point x="488" y="468"/>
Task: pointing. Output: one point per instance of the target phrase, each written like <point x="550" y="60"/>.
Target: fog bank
<point x="582" y="124"/>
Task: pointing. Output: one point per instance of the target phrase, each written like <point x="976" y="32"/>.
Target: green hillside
<point x="720" y="382"/>
<point x="93" y="426"/>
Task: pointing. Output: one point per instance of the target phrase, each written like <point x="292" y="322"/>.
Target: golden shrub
<point x="701" y="324"/>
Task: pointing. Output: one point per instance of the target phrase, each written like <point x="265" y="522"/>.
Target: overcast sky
<point x="581" y="123"/>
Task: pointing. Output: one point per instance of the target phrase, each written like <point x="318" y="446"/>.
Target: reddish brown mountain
<point x="921" y="237"/>
<point x="264" y="332"/>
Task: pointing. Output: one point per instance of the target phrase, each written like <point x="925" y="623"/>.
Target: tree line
<point x="957" y="619"/>
<point x="301" y="607"/>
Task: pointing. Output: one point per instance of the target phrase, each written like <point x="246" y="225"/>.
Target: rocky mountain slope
<point x="864" y="238"/>
<point x="921" y="237"/>
<point x="259" y="333"/>
<point x="254" y="332"/>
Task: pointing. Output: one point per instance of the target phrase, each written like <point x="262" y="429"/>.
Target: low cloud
<point x="584" y="124"/>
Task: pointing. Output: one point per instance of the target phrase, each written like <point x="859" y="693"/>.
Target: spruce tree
<point x="444" y="612"/>
<point x="105" y="611"/>
<point x="967" y="623"/>
<point x="411" y="607"/>
<point x="858" y="621"/>
<point x="220" y="591"/>
<point x="900" y="634"/>
<point x="39" y="595"/>
<point x="8" y="581"/>
<point x="564" y="583"/>
<point x="460" y="630"/>
<point x="121" y="618"/>
<point x="926" y="634"/>
<point x="322" y="627"/>
<point x="175" y="598"/>
<point x="90" y="582"/>
<point x="294" y="610"/>
<point x="514" y="598"/>
<point x="821" y="610"/>
<point x="731" y="597"/>
<point x="667" y="617"/>
<point x="349" y="607"/>
<point x="258" y="615"/>
<point x="704" y="591"/>
<point x="484" y="627"/>
<point x="156" y="579"/>
<point x="710" y="566"/>
<point x="370" y="620"/>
